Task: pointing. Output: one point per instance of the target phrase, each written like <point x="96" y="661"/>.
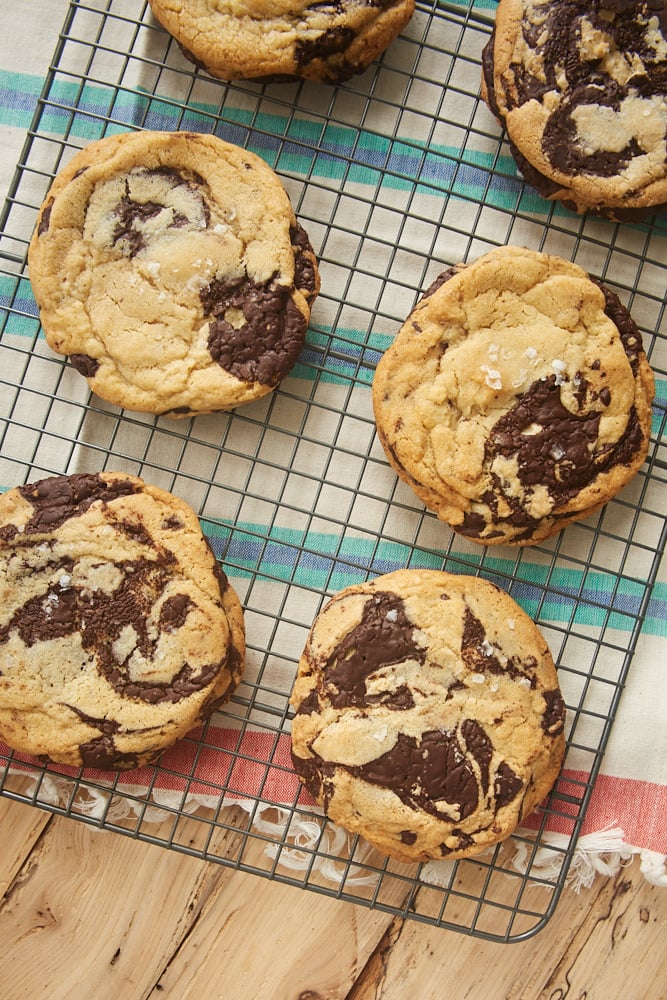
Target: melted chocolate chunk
<point x="478" y="654"/>
<point x="106" y="726"/>
<point x="400" y="700"/>
<point x="474" y="634"/>
<point x="132" y="213"/>
<point x="478" y="746"/>
<point x="316" y="775"/>
<point x="384" y="636"/>
<point x="220" y="575"/>
<point x="174" y="611"/>
<point x="331" y="45"/>
<point x="507" y="785"/>
<point x="561" y="455"/>
<point x="438" y="282"/>
<point x="430" y="774"/>
<point x="560" y="432"/>
<point x="305" y="275"/>
<point x="561" y="141"/>
<point x="518" y="516"/>
<point x="58" y="498"/>
<point x="464" y="841"/>
<point x="265" y="347"/>
<point x="333" y="41"/>
<point x="628" y="330"/>
<point x="102" y="753"/>
<point x="84" y="364"/>
<point x="473" y="524"/>
<point x="45" y="218"/>
<point x="129" y="214"/>
<point x="556" y="39"/>
<point x="553" y="720"/>
<point x="310" y="704"/>
<point x="426" y="772"/>
<point x="7" y="532"/>
<point x="137" y="532"/>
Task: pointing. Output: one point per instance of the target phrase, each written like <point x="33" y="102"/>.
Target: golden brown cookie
<point x="429" y="717"/>
<point x="580" y="88"/>
<point x="119" y="632"/>
<point x="516" y="398"/>
<point x="255" y="39"/>
<point x="170" y="268"/>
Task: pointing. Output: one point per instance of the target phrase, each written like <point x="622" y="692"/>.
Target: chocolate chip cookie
<point x="119" y="632"/>
<point x="429" y="717"/>
<point x="516" y="398"/>
<point x="582" y="91"/>
<point x="325" y="42"/>
<point x="171" y="270"/>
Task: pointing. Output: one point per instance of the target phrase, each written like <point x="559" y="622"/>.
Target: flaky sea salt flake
<point x="559" y="368"/>
<point x="492" y="378"/>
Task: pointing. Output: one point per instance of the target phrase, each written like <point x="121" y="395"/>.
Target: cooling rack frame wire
<point x="395" y="176"/>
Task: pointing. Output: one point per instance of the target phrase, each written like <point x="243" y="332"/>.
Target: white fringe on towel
<point x="297" y="836"/>
<point x="601" y="853"/>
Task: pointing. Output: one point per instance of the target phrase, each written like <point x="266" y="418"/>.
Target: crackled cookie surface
<point x="582" y="91"/>
<point x="172" y="271"/>
<point x="429" y="717"/>
<point x="118" y="631"/>
<point x="516" y="397"/>
<point x="325" y="42"/>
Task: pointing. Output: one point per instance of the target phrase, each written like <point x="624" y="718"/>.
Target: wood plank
<point x="586" y="950"/>
<point x="103" y="912"/>
<point x="271" y="941"/>
<point x="620" y="949"/>
<point x="110" y="916"/>
<point x="90" y="902"/>
<point x="21" y="826"/>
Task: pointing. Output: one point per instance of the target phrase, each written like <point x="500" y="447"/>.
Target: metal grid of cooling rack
<point x="394" y="175"/>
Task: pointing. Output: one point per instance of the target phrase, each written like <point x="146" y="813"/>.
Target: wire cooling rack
<point x="395" y="176"/>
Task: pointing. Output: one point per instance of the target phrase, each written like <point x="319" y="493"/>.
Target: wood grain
<point x="88" y="913"/>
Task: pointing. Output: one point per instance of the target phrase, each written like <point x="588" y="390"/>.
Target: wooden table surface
<point x="88" y="914"/>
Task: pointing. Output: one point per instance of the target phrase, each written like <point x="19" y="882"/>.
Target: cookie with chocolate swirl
<point x="516" y="398"/>
<point x="119" y="632"/>
<point x="255" y="39"/>
<point x="429" y="717"/>
<point x="581" y="89"/>
<point x="171" y="270"/>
